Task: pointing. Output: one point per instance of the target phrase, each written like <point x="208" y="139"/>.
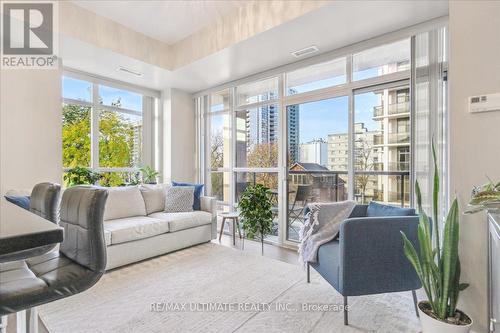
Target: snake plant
<point x="437" y="265"/>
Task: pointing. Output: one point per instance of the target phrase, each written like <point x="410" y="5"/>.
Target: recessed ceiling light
<point x="305" y="51"/>
<point x="129" y="71"/>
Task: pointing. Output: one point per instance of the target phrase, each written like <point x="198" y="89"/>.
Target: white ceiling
<point x="339" y="24"/>
<point x="168" y="21"/>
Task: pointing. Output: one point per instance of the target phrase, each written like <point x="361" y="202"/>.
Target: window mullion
<point x="351" y="134"/>
<point x="94" y="128"/>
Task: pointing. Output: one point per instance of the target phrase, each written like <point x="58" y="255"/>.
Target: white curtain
<point x="430" y="112"/>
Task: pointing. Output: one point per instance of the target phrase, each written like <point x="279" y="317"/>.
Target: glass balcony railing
<point x="395" y="108"/>
<point x="395" y="138"/>
<point x="378" y="111"/>
<point x="304" y="187"/>
<point x="391" y="166"/>
<point x="378" y="139"/>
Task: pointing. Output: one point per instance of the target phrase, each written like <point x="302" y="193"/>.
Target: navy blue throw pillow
<point x="198" y="188"/>
<point x="378" y="210"/>
<point x="21" y="201"/>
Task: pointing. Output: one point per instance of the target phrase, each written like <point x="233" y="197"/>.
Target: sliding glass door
<point x="382" y="145"/>
<point x="339" y="129"/>
<point x="318" y="158"/>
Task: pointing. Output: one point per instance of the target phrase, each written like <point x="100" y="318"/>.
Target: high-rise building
<point x="314" y="151"/>
<point x="393" y="140"/>
<point x="262" y="127"/>
<point x="293" y="132"/>
<point x="338" y="148"/>
<point x="136" y="153"/>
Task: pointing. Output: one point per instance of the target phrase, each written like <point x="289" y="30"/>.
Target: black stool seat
<point x="77" y="266"/>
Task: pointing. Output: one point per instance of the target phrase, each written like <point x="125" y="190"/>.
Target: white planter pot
<point x="431" y="325"/>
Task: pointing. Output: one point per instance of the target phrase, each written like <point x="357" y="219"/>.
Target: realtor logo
<point x="28" y="35"/>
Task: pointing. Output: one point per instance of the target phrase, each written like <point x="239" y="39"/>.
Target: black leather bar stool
<point x="44" y="201"/>
<point x="78" y="264"/>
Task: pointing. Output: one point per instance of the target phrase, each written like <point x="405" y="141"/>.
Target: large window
<point x="335" y="130"/>
<point x="105" y="130"/>
<point x="318" y="136"/>
<point x="382" y="145"/>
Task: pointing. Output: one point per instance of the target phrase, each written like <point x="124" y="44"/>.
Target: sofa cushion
<point x="124" y="202"/>
<point x="134" y="228"/>
<point x="21" y="201"/>
<point x="107" y="237"/>
<point x="378" y="210"/>
<point x="186" y="220"/>
<point x="154" y="197"/>
<point x="198" y="188"/>
<point x="179" y="199"/>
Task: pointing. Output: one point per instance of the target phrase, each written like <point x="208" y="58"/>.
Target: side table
<point x="234" y="216"/>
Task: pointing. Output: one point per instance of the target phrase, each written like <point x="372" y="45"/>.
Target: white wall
<point x="30" y="128"/>
<point x="475" y="138"/>
<point x="179" y="127"/>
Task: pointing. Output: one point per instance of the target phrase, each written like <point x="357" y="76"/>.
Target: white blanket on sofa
<point x="321" y="225"/>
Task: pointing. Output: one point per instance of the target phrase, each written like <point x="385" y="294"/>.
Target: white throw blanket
<point x="321" y="225"/>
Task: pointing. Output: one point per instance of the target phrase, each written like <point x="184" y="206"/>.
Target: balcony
<point x="392" y="166"/>
<point x="399" y="138"/>
<point x="304" y="187"/>
<point x="394" y="108"/>
<point x="378" y="139"/>
<point x="378" y="111"/>
<point x="397" y="108"/>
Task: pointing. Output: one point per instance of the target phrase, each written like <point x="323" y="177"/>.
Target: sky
<point x="81" y="90"/>
<point x="316" y="119"/>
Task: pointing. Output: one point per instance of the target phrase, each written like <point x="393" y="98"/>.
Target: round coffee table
<point x="235" y="217"/>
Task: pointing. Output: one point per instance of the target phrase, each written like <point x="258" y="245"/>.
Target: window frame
<point x="148" y="114"/>
<point x="348" y="89"/>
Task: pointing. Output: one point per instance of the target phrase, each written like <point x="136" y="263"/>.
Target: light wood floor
<point x="270" y="250"/>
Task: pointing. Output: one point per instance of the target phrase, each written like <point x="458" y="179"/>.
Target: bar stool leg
<point x="32" y="320"/>
<point x="21" y="321"/>
<point x="3" y="324"/>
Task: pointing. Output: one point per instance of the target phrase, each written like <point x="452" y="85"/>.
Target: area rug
<point x="212" y="288"/>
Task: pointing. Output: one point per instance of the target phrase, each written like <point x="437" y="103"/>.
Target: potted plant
<point x="438" y="267"/>
<point x="149" y="175"/>
<point x="485" y="197"/>
<point x="255" y="209"/>
<point x="81" y="176"/>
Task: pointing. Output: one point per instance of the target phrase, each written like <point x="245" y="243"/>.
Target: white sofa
<point x="137" y="228"/>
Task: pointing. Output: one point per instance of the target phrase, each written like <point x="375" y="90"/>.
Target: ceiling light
<point x="305" y="51"/>
<point x="129" y="71"/>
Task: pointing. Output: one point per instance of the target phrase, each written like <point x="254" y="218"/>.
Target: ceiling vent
<point x="129" y="71"/>
<point x="305" y="51"/>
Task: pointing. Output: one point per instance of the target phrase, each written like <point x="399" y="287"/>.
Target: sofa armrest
<point x="372" y="258"/>
<point x="209" y="204"/>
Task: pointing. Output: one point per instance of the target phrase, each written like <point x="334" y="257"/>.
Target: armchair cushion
<point x="379" y="210"/>
<point x="328" y="264"/>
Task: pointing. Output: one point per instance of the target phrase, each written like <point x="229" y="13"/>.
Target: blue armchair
<point x="367" y="257"/>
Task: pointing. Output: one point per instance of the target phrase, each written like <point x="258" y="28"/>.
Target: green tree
<point x="116" y="141"/>
<point x="76" y="136"/>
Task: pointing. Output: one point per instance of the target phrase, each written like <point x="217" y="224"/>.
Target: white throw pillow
<point x="179" y="199"/>
<point x="154" y="197"/>
<point x="124" y="202"/>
